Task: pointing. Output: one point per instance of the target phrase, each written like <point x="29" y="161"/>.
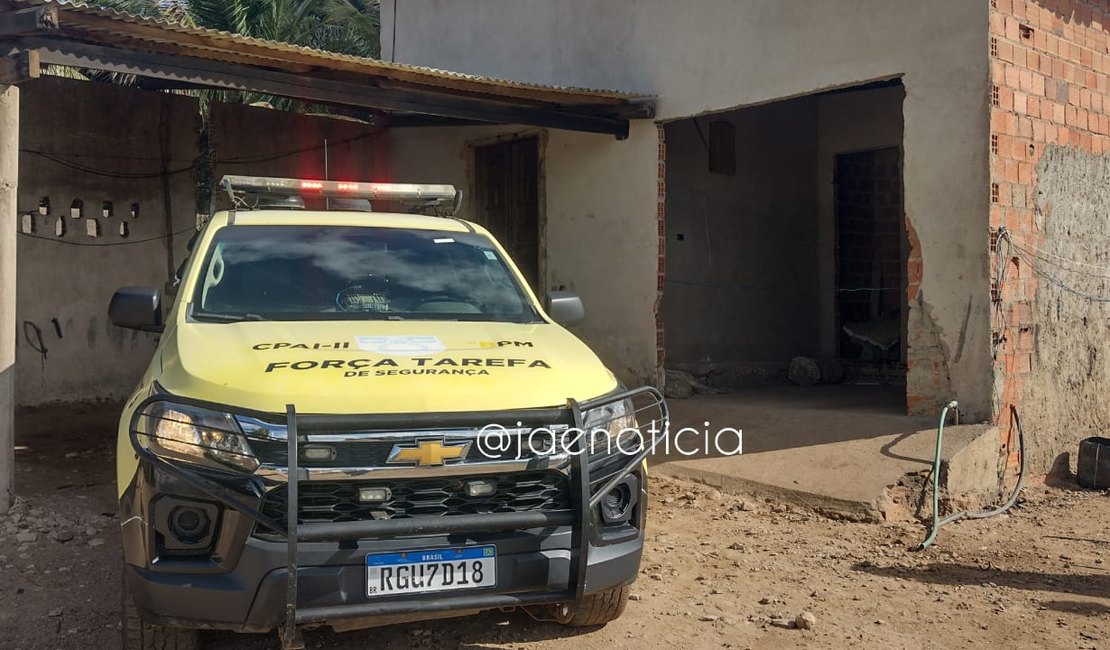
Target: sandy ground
<point x="720" y="571"/>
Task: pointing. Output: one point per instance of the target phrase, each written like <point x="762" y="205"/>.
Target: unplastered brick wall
<point x="1050" y="136"/>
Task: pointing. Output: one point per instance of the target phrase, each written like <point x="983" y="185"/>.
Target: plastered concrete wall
<point x="742" y="282"/>
<point x="98" y="143"/>
<point x="262" y="141"/>
<point x="1050" y="190"/>
<point x="712" y="55"/>
<point x="592" y="224"/>
<point x="1065" y="396"/>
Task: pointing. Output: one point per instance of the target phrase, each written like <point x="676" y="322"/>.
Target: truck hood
<point x="380" y="366"/>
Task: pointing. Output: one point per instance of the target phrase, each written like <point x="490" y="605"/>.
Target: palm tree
<point x="343" y="26"/>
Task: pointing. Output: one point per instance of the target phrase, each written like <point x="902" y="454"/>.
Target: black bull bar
<point x="297" y="426"/>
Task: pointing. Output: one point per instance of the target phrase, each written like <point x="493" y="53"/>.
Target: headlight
<point x="612" y="436"/>
<point x="195" y="434"/>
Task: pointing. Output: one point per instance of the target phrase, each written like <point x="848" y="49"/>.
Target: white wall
<point x="711" y="55"/>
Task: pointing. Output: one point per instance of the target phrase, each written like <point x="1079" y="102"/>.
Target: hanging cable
<point x="115" y="243"/>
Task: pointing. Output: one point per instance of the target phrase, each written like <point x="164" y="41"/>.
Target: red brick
<point x="1038" y="131"/>
<point x="1025" y="173"/>
<point x="1073" y="94"/>
<point x="1046" y="65"/>
<point x="1025" y="128"/>
<point x="1058" y="113"/>
<point x="1006" y="99"/>
<point x="1038" y="86"/>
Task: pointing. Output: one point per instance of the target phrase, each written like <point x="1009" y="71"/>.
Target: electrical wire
<point x="99" y="172"/>
<point x="1032" y="248"/>
<point x="1033" y="263"/>
<point x="242" y="160"/>
<point x="116" y="243"/>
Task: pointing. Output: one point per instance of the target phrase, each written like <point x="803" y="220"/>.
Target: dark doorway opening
<point x="870" y="265"/>
<point x="506" y="184"/>
<point x="784" y="229"/>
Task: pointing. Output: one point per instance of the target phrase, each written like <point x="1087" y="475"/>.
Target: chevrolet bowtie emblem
<point x="428" y="453"/>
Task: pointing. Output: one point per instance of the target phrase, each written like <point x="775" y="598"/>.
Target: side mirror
<point x="565" y="307"/>
<point x="137" y="308"/>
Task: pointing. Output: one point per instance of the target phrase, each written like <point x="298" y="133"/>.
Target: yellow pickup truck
<point x="355" y="418"/>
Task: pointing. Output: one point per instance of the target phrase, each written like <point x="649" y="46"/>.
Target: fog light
<point x="618" y="503"/>
<point x="479" y="488"/>
<point x="319" y="453"/>
<point x="374" y="494"/>
<point x="189" y="525"/>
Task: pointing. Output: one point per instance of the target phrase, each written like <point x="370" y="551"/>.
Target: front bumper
<point x="316" y="575"/>
<point x="533" y="567"/>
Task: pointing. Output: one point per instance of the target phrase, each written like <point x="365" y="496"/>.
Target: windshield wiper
<point x="226" y="318"/>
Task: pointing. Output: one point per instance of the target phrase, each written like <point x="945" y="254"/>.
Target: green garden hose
<point x="937" y="522"/>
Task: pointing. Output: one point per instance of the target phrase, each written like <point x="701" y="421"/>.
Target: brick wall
<point x="1050" y="61"/>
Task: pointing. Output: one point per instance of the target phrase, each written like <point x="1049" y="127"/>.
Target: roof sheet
<point x="80" y="20"/>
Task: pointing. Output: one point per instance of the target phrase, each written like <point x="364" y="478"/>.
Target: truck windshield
<point x="351" y="273"/>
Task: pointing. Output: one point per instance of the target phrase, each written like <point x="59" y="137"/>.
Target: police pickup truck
<point x="355" y="418"/>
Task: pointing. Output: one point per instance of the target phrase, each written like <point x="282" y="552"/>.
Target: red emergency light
<point x="423" y="194"/>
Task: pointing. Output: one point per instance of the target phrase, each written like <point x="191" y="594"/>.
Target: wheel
<point x="596" y="609"/>
<point x="138" y="635"/>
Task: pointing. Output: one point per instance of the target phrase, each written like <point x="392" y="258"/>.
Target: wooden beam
<point x="28" y="21"/>
<point x="20" y="67"/>
<point x="214" y="74"/>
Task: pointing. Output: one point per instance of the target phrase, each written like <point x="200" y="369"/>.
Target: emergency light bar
<point x="429" y="195"/>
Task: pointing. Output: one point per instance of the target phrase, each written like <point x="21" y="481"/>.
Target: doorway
<point x="870" y="265"/>
<point x="506" y="176"/>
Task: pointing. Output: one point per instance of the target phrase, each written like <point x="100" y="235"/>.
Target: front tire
<point x="596" y="609"/>
<point x="138" y="635"/>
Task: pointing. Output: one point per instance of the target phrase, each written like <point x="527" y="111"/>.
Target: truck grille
<point x="337" y="501"/>
<point x="375" y="453"/>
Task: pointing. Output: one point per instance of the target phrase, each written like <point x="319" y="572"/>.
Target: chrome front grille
<point x="338" y="501"/>
<point x="368" y="450"/>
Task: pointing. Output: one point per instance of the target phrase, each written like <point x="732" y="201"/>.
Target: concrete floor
<point x="832" y="447"/>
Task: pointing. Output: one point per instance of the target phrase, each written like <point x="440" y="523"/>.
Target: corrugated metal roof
<point x="80" y="18"/>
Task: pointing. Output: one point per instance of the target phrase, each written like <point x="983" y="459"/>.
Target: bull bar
<point x="298" y="425"/>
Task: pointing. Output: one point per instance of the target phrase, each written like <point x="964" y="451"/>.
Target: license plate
<point x="419" y="572"/>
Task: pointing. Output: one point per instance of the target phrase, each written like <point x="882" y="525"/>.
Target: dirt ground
<point x="720" y="571"/>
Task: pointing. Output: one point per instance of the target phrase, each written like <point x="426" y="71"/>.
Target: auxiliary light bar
<point x="400" y="192"/>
